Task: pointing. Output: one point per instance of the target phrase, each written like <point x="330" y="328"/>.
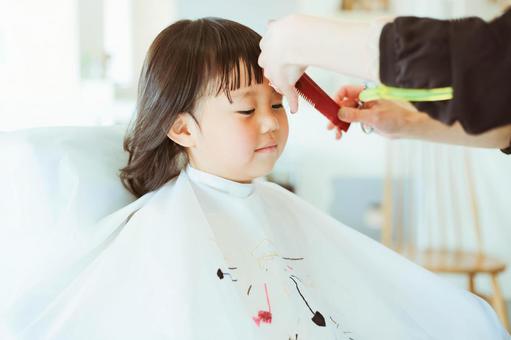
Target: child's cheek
<point x="246" y="139"/>
<point x="284" y="127"/>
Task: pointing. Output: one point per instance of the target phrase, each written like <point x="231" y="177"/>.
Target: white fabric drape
<point x="207" y="258"/>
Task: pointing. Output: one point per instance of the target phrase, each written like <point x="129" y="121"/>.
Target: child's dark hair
<point x="187" y="60"/>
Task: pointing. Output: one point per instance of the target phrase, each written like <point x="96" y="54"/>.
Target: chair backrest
<point x="430" y="200"/>
<point x="55" y="183"/>
<point x="57" y="174"/>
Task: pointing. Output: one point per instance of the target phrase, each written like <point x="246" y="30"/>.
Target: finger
<point x="340" y="133"/>
<point x="292" y="98"/>
<point x="349" y="91"/>
<point x="349" y="102"/>
<point x="370" y="104"/>
<point x="330" y="126"/>
<point x="351" y="115"/>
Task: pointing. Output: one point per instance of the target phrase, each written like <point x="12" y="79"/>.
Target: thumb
<point x="351" y="114"/>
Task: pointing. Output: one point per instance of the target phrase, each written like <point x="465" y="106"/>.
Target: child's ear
<point x="183" y="131"/>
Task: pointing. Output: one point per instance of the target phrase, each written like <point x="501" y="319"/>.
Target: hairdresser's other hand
<point x="282" y="46"/>
<point x="389" y="118"/>
<point x="400" y="119"/>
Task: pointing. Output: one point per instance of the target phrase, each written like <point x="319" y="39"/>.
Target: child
<point x="209" y="252"/>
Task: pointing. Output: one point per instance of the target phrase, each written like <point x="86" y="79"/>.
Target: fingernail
<point x="342" y="113"/>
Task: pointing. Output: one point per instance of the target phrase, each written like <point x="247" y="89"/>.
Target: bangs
<point x="230" y="52"/>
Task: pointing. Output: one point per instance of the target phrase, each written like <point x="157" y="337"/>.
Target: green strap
<point x="411" y="95"/>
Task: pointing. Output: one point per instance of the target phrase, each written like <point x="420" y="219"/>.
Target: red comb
<point x="312" y="93"/>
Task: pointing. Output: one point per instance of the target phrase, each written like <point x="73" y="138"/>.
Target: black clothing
<point x="470" y="55"/>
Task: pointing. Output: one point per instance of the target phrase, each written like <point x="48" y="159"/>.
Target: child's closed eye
<point x="248" y="112"/>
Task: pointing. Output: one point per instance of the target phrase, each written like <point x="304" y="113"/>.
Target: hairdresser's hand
<point x="346" y="97"/>
<point x="393" y="119"/>
<point x="297" y="41"/>
<point x="398" y="119"/>
<point x="282" y="48"/>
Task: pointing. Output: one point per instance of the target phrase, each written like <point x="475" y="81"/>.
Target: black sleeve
<point x="471" y="55"/>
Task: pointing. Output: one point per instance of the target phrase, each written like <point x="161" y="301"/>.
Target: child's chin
<point x="263" y="169"/>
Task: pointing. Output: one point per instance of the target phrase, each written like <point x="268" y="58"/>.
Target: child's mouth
<point x="269" y="148"/>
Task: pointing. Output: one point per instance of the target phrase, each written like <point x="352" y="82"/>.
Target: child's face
<point x="241" y="140"/>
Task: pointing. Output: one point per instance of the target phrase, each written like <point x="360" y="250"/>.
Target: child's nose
<point x="269" y="121"/>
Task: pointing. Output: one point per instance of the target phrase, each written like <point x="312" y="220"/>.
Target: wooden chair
<point x="431" y="215"/>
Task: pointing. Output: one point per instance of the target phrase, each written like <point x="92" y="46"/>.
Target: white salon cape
<point x="208" y="258"/>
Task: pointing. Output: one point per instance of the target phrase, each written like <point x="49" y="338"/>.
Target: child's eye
<point x="246" y="112"/>
<point x="277" y="106"/>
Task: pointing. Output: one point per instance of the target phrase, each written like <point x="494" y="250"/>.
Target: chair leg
<point x="498" y="302"/>
<point x="471" y="283"/>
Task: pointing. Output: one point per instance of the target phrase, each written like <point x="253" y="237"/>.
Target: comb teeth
<point x="304" y="96"/>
